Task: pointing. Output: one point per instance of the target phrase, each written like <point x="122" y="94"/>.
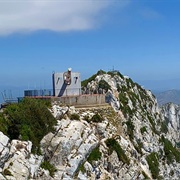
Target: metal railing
<point x="41" y="92"/>
<point x="62" y="92"/>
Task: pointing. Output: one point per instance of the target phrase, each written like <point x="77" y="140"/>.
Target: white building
<point x="66" y="84"/>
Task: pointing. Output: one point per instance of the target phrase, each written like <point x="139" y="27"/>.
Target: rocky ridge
<point x="131" y="139"/>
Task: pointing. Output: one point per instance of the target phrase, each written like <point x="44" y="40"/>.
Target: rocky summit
<point x="129" y="138"/>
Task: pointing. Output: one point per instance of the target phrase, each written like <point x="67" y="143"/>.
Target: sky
<point x="140" y="38"/>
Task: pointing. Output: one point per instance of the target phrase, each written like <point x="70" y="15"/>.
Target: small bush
<point x="86" y="118"/>
<point x="74" y="116"/>
<point x="113" y="73"/>
<point x="100" y="72"/>
<point x="164" y="128"/>
<point x="3" y="124"/>
<point x="96" y="118"/>
<point x="46" y="165"/>
<point x="104" y="85"/>
<point x="143" y="130"/>
<point x="80" y="168"/>
<point x="153" y="125"/>
<point x="123" y="99"/>
<point x="139" y="146"/>
<point x="178" y="144"/>
<point x="6" y="172"/>
<point x="145" y="175"/>
<point x="130" y="129"/>
<point x="95" y="155"/>
<point x="171" y="173"/>
<point x="152" y="160"/>
<point x="171" y="153"/>
<point x="86" y="81"/>
<point x="113" y="145"/>
<point x="92" y="78"/>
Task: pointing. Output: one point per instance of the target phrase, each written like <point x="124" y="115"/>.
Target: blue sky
<point x="139" y="38"/>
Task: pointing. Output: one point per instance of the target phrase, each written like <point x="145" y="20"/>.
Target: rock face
<point x="20" y="163"/>
<point x="72" y="143"/>
<point x="171" y="112"/>
<point x="4" y="149"/>
<point x="132" y="138"/>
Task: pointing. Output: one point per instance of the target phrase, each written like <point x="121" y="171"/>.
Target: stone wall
<point x="90" y="99"/>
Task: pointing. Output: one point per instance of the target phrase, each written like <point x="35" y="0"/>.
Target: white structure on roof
<point x="66" y="84"/>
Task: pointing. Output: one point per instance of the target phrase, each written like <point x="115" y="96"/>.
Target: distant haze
<point x="172" y="96"/>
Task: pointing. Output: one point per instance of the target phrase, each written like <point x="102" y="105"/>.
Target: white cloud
<point x="55" y="15"/>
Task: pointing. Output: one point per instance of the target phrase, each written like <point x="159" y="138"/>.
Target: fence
<point x="44" y="92"/>
<point x="69" y="97"/>
<point x="61" y="92"/>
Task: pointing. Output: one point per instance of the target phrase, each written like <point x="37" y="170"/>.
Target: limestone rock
<point x="21" y="163"/>
<point x="78" y="149"/>
<point x="70" y="146"/>
<point x="4" y="149"/>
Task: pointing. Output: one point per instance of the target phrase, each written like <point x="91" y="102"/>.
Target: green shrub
<point x="46" y="165"/>
<point x="100" y="72"/>
<point x="74" y="116"/>
<point x="104" y="85"/>
<point x="129" y="82"/>
<point x="145" y="175"/>
<point x="96" y="118"/>
<point x="95" y="155"/>
<point x="143" y="130"/>
<point x="113" y="73"/>
<point x="3" y="124"/>
<point x="123" y="99"/>
<point x="80" y="168"/>
<point x="171" y="173"/>
<point x="178" y="144"/>
<point x="153" y="125"/>
<point x="171" y="153"/>
<point x="29" y="120"/>
<point x="92" y="78"/>
<point x="139" y="146"/>
<point x="86" y="118"/>
<point x="113" y="145"/>
<point x="152" y="160"/>
<point x="130" y="129"/>
<point x="6" y="172"/>
<point x="86" y="81"/>
<point x="164" y="128"/>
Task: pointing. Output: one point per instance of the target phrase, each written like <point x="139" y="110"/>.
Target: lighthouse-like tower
<point x="66" y="84"/>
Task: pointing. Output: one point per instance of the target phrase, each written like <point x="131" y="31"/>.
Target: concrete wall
<point x="90" y="99"/>
<point x="60" y="88"/>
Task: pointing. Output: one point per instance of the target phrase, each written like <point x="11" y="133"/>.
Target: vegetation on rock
<point x="113" y="145"/>
<point x="95" y="155"/>
<point x="96" y="118"/>
<point x="171" y="153"/>
<point x="74" y="116"/>
<point x="130" y="129"/>
<point x="28" y="120"/>
<point x="153" y="162"/>
<point x="6" y="172"/>
<point x="104" y="85"/>
<point x="164" y="127"/>
<point x="143" y="130"/>
<point x="48" y="166"/>
<point x="92" y="78"/>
